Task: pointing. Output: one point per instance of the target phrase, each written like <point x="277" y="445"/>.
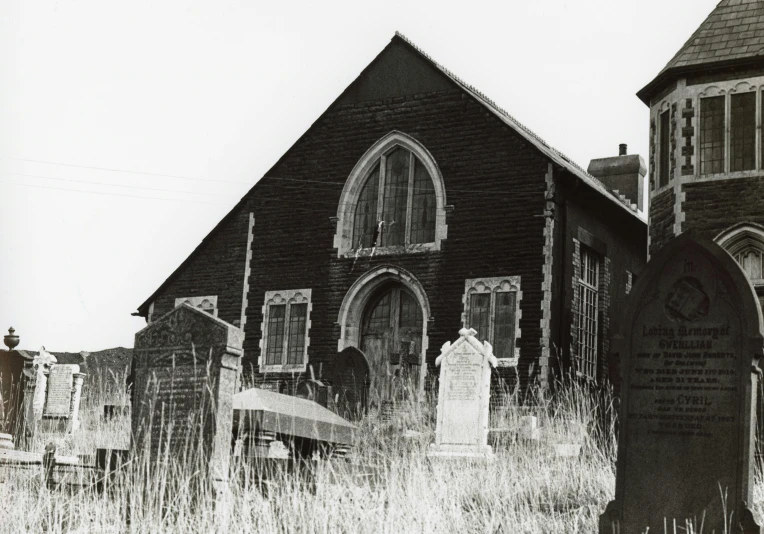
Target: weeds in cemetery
<point x="526" y="488"/>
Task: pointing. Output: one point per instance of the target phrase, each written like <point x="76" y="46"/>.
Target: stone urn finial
<point x="11" y="340"/>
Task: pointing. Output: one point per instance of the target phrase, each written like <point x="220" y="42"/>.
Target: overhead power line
<point x="119" y="185"/>
<point x="126" y="171"/>
<point x="112" y="194"/>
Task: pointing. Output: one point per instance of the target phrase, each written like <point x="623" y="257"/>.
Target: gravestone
<point x="59" y="395"/>
<point x="463" y="397"/>
<point x="184" y="373"/>
<point x="690" y="344"/>
<point x="348" y="373"/>
<point x="12" y="364"/>
<point x="58" y="391"/>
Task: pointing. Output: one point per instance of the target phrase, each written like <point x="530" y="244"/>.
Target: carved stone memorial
<point x="689" y="350"/>
<point x="185" y="366"/>
<point x="463" y="397"/>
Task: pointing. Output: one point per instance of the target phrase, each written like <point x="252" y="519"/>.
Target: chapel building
<point x="706" y="144"/>
<point x="413" y="207"/>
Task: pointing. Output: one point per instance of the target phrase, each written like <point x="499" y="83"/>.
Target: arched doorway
<point x="391" y="340"/>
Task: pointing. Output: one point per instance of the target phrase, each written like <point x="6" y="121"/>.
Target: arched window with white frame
<point x="393" y="201"/>
<point x="745" y="243"/>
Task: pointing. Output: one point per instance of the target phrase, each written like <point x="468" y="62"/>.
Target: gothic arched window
<point x="397" y="203"/>
<point x="745" y="243"/>
<point x="393" y="201"/>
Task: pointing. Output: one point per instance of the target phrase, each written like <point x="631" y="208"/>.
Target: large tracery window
<point x="393" y="202"/>
<point x="397" y="203"/>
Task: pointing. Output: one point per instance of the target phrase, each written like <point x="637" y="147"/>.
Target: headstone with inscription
<point x="59" y="391"/>
<point x="184" y="372"/>
<point x="63" y="391"/>
<point x="689" y="350"/>
<point x="463" y="397"/>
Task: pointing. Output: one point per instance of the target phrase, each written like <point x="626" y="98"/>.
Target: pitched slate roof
<point x="551" y="152"/>
<point x="734" y="31"/>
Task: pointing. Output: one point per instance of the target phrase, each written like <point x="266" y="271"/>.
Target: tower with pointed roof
<point x="706" y="145"/>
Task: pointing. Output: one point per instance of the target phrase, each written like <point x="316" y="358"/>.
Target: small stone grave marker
<point x="348" y="372"/>
<point x="463" y="397"/>
<point x="692" y="336"/>
<point x="59" y="395"/>
<point x="184" y="371"/>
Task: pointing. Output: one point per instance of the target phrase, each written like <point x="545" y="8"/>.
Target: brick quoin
<point x="661" y="219"/>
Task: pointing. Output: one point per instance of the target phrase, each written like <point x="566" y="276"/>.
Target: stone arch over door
<point x="363" y="290"/>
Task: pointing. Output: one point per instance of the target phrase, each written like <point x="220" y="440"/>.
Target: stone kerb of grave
<point x="463" y="397"/>
<point x="689" y="349"/>
<point x="184" y="373"/>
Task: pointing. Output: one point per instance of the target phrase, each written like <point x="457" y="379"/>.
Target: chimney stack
<point x="623" y="173"/>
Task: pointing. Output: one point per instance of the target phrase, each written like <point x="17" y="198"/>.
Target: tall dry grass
<point x="524" y="489"/>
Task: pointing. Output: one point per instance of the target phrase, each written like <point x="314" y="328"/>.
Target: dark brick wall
<point x="620" y="242"/>
<point x="494" y="180"/>
<point x="495" y="183"/>
<point x="216" y="268"/>
<point x="711" y="207"/>
<point x="661" y="219"/>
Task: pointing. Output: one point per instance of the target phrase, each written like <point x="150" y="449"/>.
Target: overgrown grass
<point x="525" y="488"/>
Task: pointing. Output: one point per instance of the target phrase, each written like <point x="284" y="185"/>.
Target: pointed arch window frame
<point x="741" y="238"/>
<point x="343" y="238"/>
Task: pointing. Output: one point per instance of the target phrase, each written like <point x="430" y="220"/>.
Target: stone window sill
<point x="418" y="248"/>
<point x="298" y="368"/>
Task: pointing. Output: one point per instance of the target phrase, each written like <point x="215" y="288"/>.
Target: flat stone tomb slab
<point x="463" y="396"/>
<point x="691" y="340"/>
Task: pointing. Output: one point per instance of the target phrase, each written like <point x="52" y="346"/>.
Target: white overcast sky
<point x="129" y="128"/>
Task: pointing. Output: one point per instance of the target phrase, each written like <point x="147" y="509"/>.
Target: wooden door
<point x="391" y="339"/>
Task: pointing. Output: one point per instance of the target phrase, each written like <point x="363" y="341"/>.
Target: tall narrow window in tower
<point x="743" y="132"/>
<point x="712" y="135"/>
<point x="665" y="148"/>
<point x="396" y="205"/>
<point x="588" y="297"/>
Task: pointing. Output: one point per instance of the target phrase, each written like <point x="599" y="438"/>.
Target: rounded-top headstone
<point x="689" y="351"/>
